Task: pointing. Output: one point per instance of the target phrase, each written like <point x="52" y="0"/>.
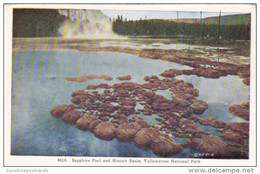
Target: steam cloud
<point x="91" y="24"/>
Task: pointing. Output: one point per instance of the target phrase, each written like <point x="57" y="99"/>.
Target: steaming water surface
<point x="39" y="84"/>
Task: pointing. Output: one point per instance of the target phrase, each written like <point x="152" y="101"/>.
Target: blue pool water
<point x="38" y="84"/>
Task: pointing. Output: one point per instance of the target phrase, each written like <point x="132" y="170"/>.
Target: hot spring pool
<point x="38" y="84"/>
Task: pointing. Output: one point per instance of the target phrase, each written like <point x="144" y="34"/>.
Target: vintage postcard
<point x="130" y="85"/>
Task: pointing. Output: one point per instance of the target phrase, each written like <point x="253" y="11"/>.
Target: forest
<point x="36" y="22"/>
<point x="172" y="29"/>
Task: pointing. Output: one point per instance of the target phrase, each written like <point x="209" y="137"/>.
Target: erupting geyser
<point x="90" y="24"/>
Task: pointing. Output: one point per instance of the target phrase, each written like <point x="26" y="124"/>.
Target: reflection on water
<point x="39" y="84"/>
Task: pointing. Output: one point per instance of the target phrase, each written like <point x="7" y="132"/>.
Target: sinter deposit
<point x="110" y="111"/>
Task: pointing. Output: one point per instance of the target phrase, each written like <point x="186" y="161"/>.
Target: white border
<point x="53" y="161"/>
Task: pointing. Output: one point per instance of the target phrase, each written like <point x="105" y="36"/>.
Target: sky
<point x="137" y="14"/>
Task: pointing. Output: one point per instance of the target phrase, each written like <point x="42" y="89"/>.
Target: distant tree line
<point x="36" y="22"/>
<point x="171" y="28"/>
<point x="46" y="23"/>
